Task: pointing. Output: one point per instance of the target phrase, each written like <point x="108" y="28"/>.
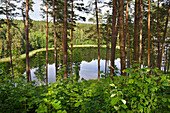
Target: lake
<point x="85" y="64"/>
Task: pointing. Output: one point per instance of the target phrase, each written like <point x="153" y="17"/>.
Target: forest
<point x="117" y="60"/>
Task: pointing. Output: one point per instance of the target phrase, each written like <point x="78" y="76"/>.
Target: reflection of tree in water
<point x="76" y="70"/>
<point x="40" y="71"/>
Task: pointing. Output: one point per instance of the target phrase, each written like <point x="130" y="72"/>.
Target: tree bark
<point x="136" y="30"/>
<point x="121" y="37"/>
<point x="9" y="38"/>
<point x="107" y="47"/>
<point x="72" y="38"/>
<point x="163" y="42"/>
<point x="125" y="34"/>
<point x="55" y="40"/>
<point x="47" y="48"/>
<point x="113" y="38"/>
<point x="98" y="41"/>
<point x="149" y="34"/>
<point x="27" y="43"/>
<point x="65" y="40"/>
<point x="141" y="26"/>
<point x="158" y="46"/>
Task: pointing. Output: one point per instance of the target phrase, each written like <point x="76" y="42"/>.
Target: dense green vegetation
<point x="138" y="92"/>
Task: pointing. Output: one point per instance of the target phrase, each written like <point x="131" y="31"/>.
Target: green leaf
<point x="124" y="106"/>
<point x="77" y="104"/>
<point x="131" y="81"/>
<point x="42" y="108"/>
<point x="164" y="99"/>
<point x="112" y="85"/>
<point x="114" y="101"/>
<point x="116" y="108"/>
<point x="112" y="95"/>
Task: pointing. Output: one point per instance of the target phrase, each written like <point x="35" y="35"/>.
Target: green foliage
<point x="138" y="92"/>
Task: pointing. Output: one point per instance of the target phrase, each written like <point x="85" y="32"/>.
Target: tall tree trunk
<point x="113" y="38"/>
<point x="47" y="48"/>
<point x="9" y="38"/>
<point x="27" y="43"/>
<point x="125" y="34"/>
<point x="107" y="47"/>
<point x="136" y="30"/>
<point x="72" y="38"/>
<point x="163" y="42"/>
<point x="141" y="26"/>
<point x="158" y="46"/>
<point x="65" y="40"/>
<point x="149" y="34"/>
<point x="128" y="52"/>
<point x="98" y="41"/>
<point x="121" y="37"/>
<point x="55" y="40"/>
<point x="166" y="58"/>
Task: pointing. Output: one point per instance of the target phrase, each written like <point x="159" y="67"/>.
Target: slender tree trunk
<point x="128" y="52"/>
<point x="125" y="34"/>
<point x="72" y="38"/>
<point x="149" y="34"/>
<point x="98" y="41"/>
<point x="47" y="48"/>
<point x="107" y="47"/>
<point x="163" y="42"/>
<point x="166" y="58"/>
<point x="158" y="46"/>
<point x="23" y="13"/>
<point x="141" y="26"/>
<point x="136" y="30"/>
<point x="27" y="43"/>
<point x="121" y="37"/>
<point x="65" y="40"/>
<point x="9" y="38"/>
<point x="113" y="38"/>
<point x="55" y="40"/>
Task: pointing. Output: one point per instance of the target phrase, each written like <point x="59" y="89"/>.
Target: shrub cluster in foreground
<point x="138" y="92"/>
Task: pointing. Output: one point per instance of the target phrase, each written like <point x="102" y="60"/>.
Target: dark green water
<point x="85" y="64"/>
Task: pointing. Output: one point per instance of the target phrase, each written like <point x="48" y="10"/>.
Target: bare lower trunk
<point x="128" y="52"/>
<point x="98" y="41"/>
<point x="158" y="46"/>
<point x="149" y="34"/>
<point x="141" y="26"/>
<point x="163" y="42"/>
<point x="136" y="30"/>
<point x="9" y="38"/>
<point x="72" y="38"/>
<point x="65" y="40"/>
<point x="125" y="34"/>
<point x="47" y="48"/>
<point x="107" y="49"/>
<point x="113" y="38"/>
<point x="27" y="43"/>
<point x="55" y="40"/>
<point x="166" y="58"/>
<point x="121" y="37"/>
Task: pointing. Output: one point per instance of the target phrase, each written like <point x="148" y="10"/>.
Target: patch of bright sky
<point x="36" y="15"/>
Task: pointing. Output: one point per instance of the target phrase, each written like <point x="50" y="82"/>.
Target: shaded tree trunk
<point x="125" y="34"/>
<point x="107" y="47"/>
<point x="149" y="34"/>
<point x="128" y="51"/>
<point x="136" y="30"/>
<point x="27" y="43"/>
<point x="55" y="40"/>
<point x="72" y="38"/>
<point x="166" y="58"/>
<point x="158" y="46"/>
<point x="98" y="41"/>
<point x="163" y="42"/>
<point x="65" y="40"/>
<point x="141" y="26"/>
<point x="9" y="38"/>
<point x="121" y="37"/>
<point x="47" y="47"/>
<point x="113" y="38"/>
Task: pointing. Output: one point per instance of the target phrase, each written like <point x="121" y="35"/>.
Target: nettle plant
<point x="140" y="91"/>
